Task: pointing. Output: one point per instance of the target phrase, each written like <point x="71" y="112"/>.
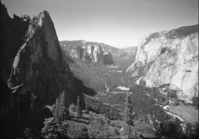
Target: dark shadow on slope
<point x="12" y="37"/>
<point x="66" y="56"/>
<point x="80" y="87"/>
<point x="79" y="121"/>
<point x="16" y="118"/>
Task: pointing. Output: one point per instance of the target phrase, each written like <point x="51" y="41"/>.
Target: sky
<point x="120" y="23"/>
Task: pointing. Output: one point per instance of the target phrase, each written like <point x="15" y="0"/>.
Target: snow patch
<point x="123" y="88"/>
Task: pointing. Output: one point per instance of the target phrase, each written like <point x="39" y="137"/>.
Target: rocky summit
<point x="169" y="57"/>
<point x="38" y="65"/>
<point x="38" y="73"/>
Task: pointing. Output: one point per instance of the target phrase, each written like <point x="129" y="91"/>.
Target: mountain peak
<point x="39" y="63"/>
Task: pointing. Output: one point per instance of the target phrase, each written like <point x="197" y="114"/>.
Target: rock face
<point x="39" y="67"/>
<point x="87" y="52"/>
<point x="38" y="73"/>
<point x="12" y="34"/>
<point x="94" y="52"/>
<point x="169" y="57"/>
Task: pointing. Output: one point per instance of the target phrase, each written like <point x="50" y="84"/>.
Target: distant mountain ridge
<point x="87" y="52"/>
<point x="98" y="52"/>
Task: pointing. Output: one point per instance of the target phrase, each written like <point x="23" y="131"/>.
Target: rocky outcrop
<point x="86" y="52"/>
<point x="169" y="57"/>
<point x="39" y="66"/>
<point x="98" y="55"/>
<point x="38" y="71"/>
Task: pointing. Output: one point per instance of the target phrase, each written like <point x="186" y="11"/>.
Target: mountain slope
<point x="39" y="65"/>
<point x="169" y="57"/>
<point x="93" y="52"/>
<point x="97" y="71"/>
<point x="88" y="53"/>
<point x="39" y="73"/>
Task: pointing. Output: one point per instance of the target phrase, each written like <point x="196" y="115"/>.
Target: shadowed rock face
<point x="39" y="66"/>
<point x="108" y="58"/>
<point x="169" y="57"/>
<point x="12" y="37"/>
<point x="33" y="66"/>
<point x="37" y="73"/>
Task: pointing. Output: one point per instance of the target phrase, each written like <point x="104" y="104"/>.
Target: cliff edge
<point x="169" y="57"/>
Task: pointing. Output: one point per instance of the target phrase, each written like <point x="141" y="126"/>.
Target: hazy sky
<point x="119" y="23"/>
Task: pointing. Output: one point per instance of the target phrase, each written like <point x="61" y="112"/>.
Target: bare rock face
<point x="12" y="34"/>
<point x="86" y="52"/>
<point x="39" y="68"/>
<point x="98" y="54"/>
<point x="169" y="57"/>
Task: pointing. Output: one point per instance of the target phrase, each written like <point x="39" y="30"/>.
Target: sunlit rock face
<point x="86" y="52"/>
<point x="39" y="68"/>
<point x="169" y="57"/>
<point x="98" y="54"/>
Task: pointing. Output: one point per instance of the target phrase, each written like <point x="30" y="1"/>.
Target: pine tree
<point x="50" y="128"/>
<point x="79" y="110"/>
<point x="128" y="114"/>
<point x="63" y="107"/>
<point x="61" y="110"/>
<point x="90" y="119"/>
<point x="86" y="109"/>
<point x="56" y="111"/>
<point x="54" y="127"/>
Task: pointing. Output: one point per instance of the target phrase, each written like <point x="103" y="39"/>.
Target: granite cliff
<point x="169" y="57"/>
<point x="13" y="32"/>
<point x="38" y="72"/>
<point x="38" y="65"/>
<point x="87" y="52"/>
<point x="94" y="52"/>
